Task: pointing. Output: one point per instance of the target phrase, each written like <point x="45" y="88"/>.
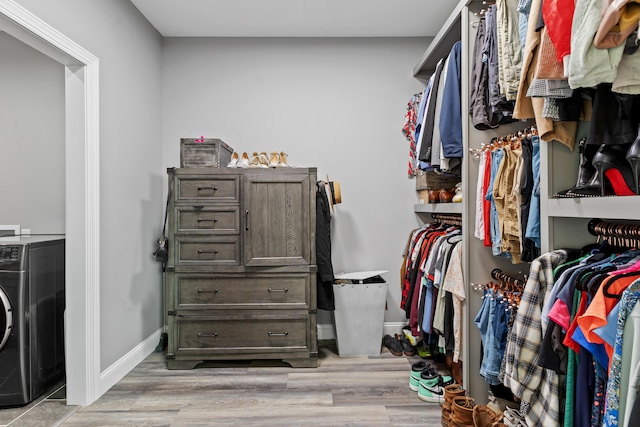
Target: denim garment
<point x="428" y="302"/>
<point x="524" y="7"/>
<point x="485" y="321"/>
<point x="533" y="223"/>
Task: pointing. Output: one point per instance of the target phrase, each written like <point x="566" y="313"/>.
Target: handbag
<point x="162" y="244"/>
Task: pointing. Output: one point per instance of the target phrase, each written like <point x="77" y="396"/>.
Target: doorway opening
<point x="82" y="218"/>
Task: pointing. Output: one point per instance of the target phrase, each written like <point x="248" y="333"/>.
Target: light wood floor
<point x="341" y="391"/>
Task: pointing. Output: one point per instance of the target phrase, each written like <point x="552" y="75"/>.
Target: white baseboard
<point x="328" y="331"/>
<point x="114" y="373"/>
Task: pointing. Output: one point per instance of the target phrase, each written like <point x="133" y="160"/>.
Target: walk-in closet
<point x="588" y="219"/>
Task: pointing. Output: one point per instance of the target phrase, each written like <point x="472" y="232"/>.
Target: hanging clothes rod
<point x="497" y="274"/>
<point x="616" y="233"/>
<point x="447" y="218"/>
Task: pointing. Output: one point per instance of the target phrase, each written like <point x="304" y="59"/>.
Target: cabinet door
<point x="277" y="219"/>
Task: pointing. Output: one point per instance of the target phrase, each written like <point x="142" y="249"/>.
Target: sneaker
<point x="431" y="388"/>
<point x="416" y="370"/>
<point x="394" y="346"/>
<point x="413" y="340"/>
<point x="424" y="351"/>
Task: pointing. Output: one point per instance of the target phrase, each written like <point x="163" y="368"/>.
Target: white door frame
<point x="82" y="189"/>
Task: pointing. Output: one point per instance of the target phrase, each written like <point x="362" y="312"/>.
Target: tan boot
<point x="450" y="391"/>
<point x="456" y="371"/>
<point x="462" y="415"/>
<point x="483" y="416"/>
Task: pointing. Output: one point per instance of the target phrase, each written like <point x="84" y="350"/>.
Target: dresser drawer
<point x="207" y="219"/>
<point x="190" y="251"/>
<point x="194" y="291"/>
<point x="264" y="334"/>
<point x="207" y="189"/>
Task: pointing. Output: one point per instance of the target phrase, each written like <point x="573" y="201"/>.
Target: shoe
<point x="462" y="412"/>
<point x="611" y="164"/>
<point x="586" y="173"/>
<point x="406" y="331"/>
<point x="450" y="391"/>
<point x="244" y="161"/>
<point x="484" y="416"/>
<point x="633" y="157"/>
<point x="254" y="162"/>
<point x="416" y="370"/>
<point x="393" y="345"/>
<point x="283" y="160"/>
<point x="263" y="160"/>
<point x="234" y="160"/>
<point x="512" y="418"/>
<point x="274" y="160"/>
<point x="407" y="348"/>
<point x="423" y="350"/>
<point x="431" y="387"/>
<point x="456" y="371"/>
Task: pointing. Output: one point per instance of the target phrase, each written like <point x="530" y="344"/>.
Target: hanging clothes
<point x="540" y="388"/>
<point x="325" y="277"/>
<point x="409" y="131"/>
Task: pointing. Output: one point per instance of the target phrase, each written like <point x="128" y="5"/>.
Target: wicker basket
<point x="204" y="152"/>
<point x="430" y="180"/>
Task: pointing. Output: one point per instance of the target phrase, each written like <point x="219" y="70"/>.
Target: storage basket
<point x="204" y="152"/>
<point x="430" y="180"/>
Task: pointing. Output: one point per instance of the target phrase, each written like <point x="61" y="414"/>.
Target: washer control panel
<point x="9" y="253"/>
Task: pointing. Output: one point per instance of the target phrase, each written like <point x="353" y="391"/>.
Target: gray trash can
<point x="360" y="300"/>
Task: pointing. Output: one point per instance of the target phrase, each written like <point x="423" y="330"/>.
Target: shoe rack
<point x="563" y="221"/>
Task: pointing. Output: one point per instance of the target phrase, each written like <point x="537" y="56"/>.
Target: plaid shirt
<point x="537" y="386"/>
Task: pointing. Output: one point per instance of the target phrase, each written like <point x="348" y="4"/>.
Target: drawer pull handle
<point x="201" y="335"/>
<point x="214" y="188"/>
<point x="207" y="219"/>
<point x="200" y="251"/>
<point x="203" y="291"/>
<point x="278" y="334"/>
<point x="278" y="290"/>
<point x="246" y="220"/>
<point x="198" y="207"/>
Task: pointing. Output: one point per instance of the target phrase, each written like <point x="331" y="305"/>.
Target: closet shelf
<point x="438" y="208"/>
<point x="592" y="207"/>
<point x="441" y="44"/>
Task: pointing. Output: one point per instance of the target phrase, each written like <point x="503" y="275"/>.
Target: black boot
<point x="588" y="183"/>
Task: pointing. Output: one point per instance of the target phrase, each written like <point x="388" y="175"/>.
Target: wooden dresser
<point x="241" y="274"/>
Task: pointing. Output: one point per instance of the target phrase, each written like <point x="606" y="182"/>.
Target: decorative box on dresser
<point x="241" y="273"/>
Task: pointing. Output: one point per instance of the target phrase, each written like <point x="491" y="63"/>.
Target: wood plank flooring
<point x="341" y="391"/>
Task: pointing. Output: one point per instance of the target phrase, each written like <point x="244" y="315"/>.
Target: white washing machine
<point x="32" y="302"/>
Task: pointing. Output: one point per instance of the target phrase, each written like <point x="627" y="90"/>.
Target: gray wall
<point x="31" y="138"/>
<point x="337" y="104"/>
<point x="131" y="175"/>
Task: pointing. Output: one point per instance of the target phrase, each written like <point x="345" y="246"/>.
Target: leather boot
<point x="588" y="182"/>
<point x="483" y="416"/>
<point x="450" y="391"/>
<point x="462" y="415"/>
<point x="456" y="371"/>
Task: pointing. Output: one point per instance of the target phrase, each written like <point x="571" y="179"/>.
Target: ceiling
<point x="296" y="18"/>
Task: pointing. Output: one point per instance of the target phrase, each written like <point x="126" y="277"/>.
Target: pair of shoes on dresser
<point x="259" y="160"/>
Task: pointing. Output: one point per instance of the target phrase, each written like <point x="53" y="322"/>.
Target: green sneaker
<point x="416" y="370"/>
<point x="431" y="388"/>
